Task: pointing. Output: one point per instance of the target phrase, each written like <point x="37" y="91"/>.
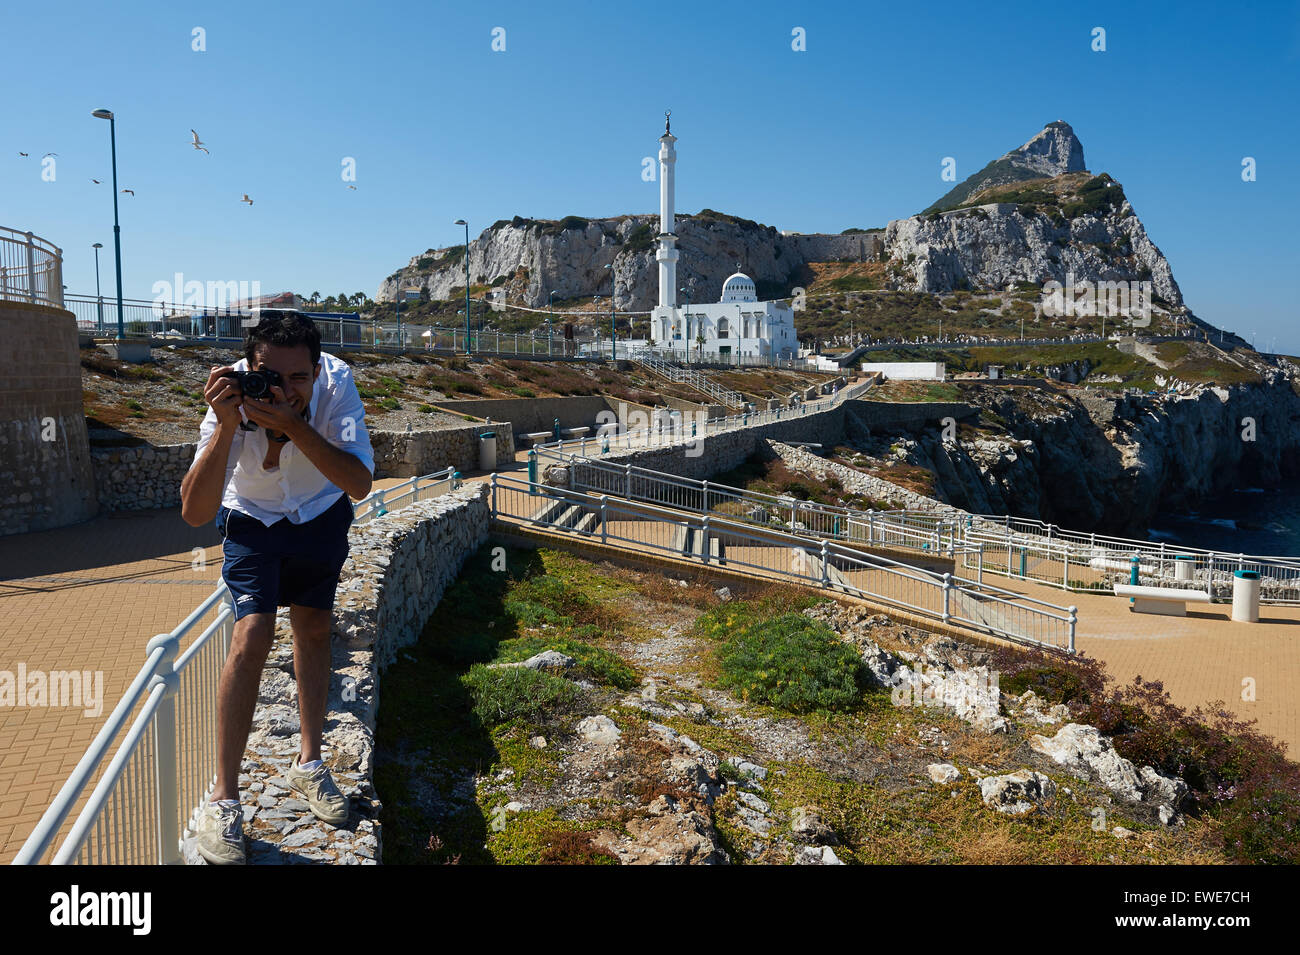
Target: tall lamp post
<point x="99" y="298"/>
<point x="466" y="225"/>
<point x="117" y="228"/>
<point x="613" y="326"/>
<point x="550" y="315"/>
<point x="686" y="332"/>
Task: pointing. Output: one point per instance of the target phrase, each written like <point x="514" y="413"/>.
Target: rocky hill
<point x="1031" y="216"/>
<point x="1053" y="152"/>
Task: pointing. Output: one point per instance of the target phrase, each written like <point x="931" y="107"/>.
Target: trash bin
<point x="487" y="451"/>
<point x="1245" y="596"/>
<point x="1184" y="567"/>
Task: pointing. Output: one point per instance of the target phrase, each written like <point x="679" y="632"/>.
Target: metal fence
<point x="1074" y="560"/>
<point x="148" y="796"/>
<point x="800" y="517"/>
<point x="31" y="269"/>
<point x="784" y="556"/>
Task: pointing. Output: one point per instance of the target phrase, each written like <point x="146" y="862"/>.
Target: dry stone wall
<point x="398" y="569"/>
<point x="149" y="476"/>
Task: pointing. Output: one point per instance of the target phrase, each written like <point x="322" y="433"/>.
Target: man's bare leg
<point x="237" y="696"/>
<point x="311" y="666"/>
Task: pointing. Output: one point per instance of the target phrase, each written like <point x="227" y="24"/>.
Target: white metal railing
<point x="147" y="797"/>
<point x="884" y="528"/>
<point x="419" y="488"/>
<point x="946" y="597"/>
<point x="1074" y="560"/>
<point x="31" y="269"/>
<point x="689" y="376"/>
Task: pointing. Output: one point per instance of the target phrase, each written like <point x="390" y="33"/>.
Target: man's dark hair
<point x="283" y="326"/>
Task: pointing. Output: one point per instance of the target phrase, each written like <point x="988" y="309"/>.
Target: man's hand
<point x="277" y="415"/>
<point x="224" y="395"/>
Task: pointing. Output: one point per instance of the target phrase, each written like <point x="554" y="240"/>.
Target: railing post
<point x="826" y="573"/>
<point x="979" y="574"/>
<point x="31" y="269"/>
<point x="493" y="480"/>
<point x="705" y="485"/>
<point x="704" y="539"/>
<point x="165" y="763"/>
<point x="1074" y="619"/>
<point x="947" y="589"/>
<point x="627" y="481"/>
<point x="604" y="536"/>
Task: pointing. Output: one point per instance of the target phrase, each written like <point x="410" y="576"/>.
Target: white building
<point x="737" y="324"/>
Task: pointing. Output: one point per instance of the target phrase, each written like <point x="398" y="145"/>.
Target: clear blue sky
<point x="850" y="132"/>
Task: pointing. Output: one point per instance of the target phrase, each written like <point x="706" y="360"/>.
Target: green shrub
<point x="793" y="663"/>
<point x="523" y="392"/>
<point x="426" y="409"/>
<point x="134" y="405"/>
<point x="392" y="404"/>
<point x="506" y="693"/>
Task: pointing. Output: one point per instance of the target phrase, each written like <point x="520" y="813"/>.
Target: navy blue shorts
<point x="286" y="563"/>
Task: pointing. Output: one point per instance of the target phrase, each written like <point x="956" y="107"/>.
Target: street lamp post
<point x="466" y="225"/>
<point x="550" y="300"/>
<point x="686" y="332"/>
<point x="613" y="325"/>
<point x="99" y="298"/>
<point x="117" y="228"/>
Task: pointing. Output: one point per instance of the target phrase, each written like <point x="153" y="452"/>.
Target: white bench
<point x="538" y="437"/>
<point x="1161" y="600"/>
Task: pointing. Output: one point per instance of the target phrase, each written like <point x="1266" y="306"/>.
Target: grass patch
<point x="507" y="693"/>
<point x="792" y="663"/>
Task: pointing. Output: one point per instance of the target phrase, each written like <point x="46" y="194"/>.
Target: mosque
<point x="736" y="325"/>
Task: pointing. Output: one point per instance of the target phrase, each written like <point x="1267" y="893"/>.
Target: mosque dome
<point x="739" y="288"/>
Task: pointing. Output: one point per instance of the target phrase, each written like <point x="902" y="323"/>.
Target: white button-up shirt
<point x="296" y="489"/>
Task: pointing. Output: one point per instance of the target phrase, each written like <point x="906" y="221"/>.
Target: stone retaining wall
<point x="46" y="476"/>
<point x="398" y="569"/>
<point x="875" y="488"/>
<point x="149" y="476"/>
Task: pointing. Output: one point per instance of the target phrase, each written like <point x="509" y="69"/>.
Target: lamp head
<point x="102" y="114"/>
<point x="460" y="222"/>
<point x="98" y="245"/>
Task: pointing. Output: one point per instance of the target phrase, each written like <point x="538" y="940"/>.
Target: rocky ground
<point x="162" y="402"/>
<point x="934" y="766"/>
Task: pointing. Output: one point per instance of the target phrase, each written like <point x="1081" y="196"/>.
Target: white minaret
<point x="667" y="252"/>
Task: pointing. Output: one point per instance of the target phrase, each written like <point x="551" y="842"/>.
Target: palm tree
<point x="315" y="298"/>
<point x="699" y="346"/>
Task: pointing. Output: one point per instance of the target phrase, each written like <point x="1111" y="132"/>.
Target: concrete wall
<point x="46" y="476"/>
<point x="539" y="414"/>
<point x="907" y="370"/>
<point x="715" y="453"/>
<point x="888" y="416"/>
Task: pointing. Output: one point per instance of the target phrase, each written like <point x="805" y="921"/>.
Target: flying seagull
<point x="24" y="154"/>
<point x="132" y="191"/>
<point x="49" y="154"/>
<point x="351" y="187"/>
<point x="246" y="199"/>
<point x="197" y="143"/>
<point x="97" y="181"/>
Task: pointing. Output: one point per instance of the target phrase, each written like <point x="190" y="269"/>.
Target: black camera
<point x="257" y="384"/>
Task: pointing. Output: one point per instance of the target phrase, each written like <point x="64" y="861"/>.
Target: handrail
<point x="31" y="269"/>
<point x="157" y="683"/>
<point x="1034" y="614"/>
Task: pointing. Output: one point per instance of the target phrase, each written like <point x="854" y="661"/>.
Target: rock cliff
<point x="1042" y="218"/>
<point x="1110" y="463"/>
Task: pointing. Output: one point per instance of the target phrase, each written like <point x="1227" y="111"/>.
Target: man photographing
<point x="276" y="472"/>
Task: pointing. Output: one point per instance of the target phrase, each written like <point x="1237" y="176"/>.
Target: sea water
<point x="1263" y="523"/>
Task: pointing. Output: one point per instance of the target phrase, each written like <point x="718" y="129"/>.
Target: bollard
<point x="532" y="472"/>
